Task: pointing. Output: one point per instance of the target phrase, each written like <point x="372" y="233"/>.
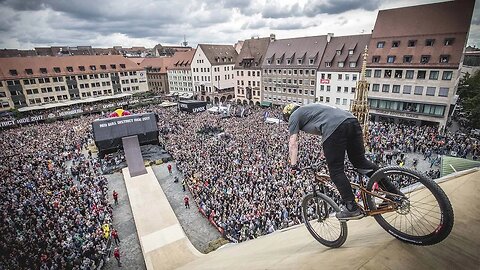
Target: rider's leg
<point x="356" y="155"/>
<point x="334" y="149"/>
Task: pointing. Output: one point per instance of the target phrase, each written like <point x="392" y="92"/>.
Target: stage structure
<point x="359" y="106"/>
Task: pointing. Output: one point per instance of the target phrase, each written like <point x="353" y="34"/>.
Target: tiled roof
<point x="253" y="50"/>
<point x="182" y="60"/>
<point x="219" y="54"/>
<point x="161" y="63"/>
<point x="57" y="65"/>
<point x="305" y="48"/>
<point x="356" y="43"/>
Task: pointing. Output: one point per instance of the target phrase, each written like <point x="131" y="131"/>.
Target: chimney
<point x="329" y="37"/>
<point x="272" y="37"/>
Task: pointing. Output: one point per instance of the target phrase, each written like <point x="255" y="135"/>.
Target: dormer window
<point x="289" y="61"/>
<point x="122" y="65"/>
<point x="43" y="70"/>
<point x="311" y="61"/>
<point x="70" y="69"/>
<point x="278" y="61"/>
<point x="13" y="72"/>
<point x="328" y="64"/>
<point x="375" y="59"/>
<point x="429" y="42"/>
<point x="93" y="67"/>
<point x="56" y="69"/>
<point x="82" y="68"/>
<point x="340" y="64"/>
<point x="29" y="71"/>
<point x="339" y="52"/>
<point x="424" y="59"/>
<point x="103" y="67"/>
<point x="113" y="66"/>
<point x="269" y="61"/>
<point x="350" y="52"/>
<point x="444" y="58"/>
<point x="299" y="61"/>
<point x="407" y="58"/>
<point x="353" y="64"/>
<point x="448" y="41"/>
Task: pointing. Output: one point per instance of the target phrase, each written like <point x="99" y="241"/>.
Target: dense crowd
<point x="53" y="200"/>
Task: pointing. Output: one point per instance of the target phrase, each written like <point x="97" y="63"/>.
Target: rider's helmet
<point x="288" y="110"/>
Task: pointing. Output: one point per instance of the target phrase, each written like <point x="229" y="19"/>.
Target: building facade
<point x="156" y="68"/>
<point x="180" y="74"/>
<point x="339" y="70"/>
<point x="31" y="81"/>
<point x="248" y="72"/>
<point x="289" y="69"/>
<point x="415" y="56"/>
<point x="212" y="72"/>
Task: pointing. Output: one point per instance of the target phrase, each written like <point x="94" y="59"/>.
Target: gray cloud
<point x="275" y="11"/>
<point x="315" y="7"/>
<point x="289" y="25"/>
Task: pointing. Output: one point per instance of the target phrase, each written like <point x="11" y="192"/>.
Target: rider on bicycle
<point x="340" y="133"/>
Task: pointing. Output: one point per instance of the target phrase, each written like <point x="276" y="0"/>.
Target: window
<point x="368" y="73"/>
<point x="407" y="58"/>
<point x="354" y="77"/>
<point x="380" y="44"/>
<point x="375" y="59"/>
<point x="412" y="43"/>
<point x="395" y="44"/>
<point x="13" y="72"/>
<point x="388" y="73"/>
<point x="398" y="74"/>
<point x="448" y="41"/>
<point x="409" y="74"/>
<point x="390" y="59"/>
<point x="421" y="74"/>
<point x="424" y="59"/>
<point x="345" y="89"/>
<point x="418" y="90"/>
<point x="103" y="67"/>
<point x="430" y="91"/>
<point x="327" y="99"/>
<point x="340" y="64"/>
<point x="289" y="61"/>
<point x="299" y="61"/>
<point x="339" y="52"/>
<point x="122" y="65"/>
<point x="429" y="42"/>
<point x="396" y="89"/>
<point x="93" y="67"/>
<point x="443" y="92"/>
<point x="311" y="61"/>
<point x="340" y="76"/>
<point x="339" y="89"/>
<point x="29" y="71"/>
<point x="350" y="52"/>
<point x="433" y="75"/>
<point x="344" y="101"/>
<point x="328" y="64"/>
<point x="56" y="69"/>
<point x="328" y="88"/>
<point x="375" y="87"/>
<point x="386" y="88"/>
<point x="353" y="89"/>
<point x="347" y="77"/>
<point x="444" y="58"/>
<point x="377" y="73"/>
<point x="278" y="61"/>
<point x="353" y="64"/>
<point x="81" y="68"/>
<point x="407" y="89"/>
<point x="113" y="66"/>
<point x="447" y="75"/>
<point x="337" y="101"/>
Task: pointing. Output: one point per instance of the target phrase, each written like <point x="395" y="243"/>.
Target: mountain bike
<point x="421" y="216"/>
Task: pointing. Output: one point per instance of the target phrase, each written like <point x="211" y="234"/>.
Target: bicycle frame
<point x="324" y="181"/>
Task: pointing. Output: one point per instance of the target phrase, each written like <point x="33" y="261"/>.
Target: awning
<point x="266" y="104"/>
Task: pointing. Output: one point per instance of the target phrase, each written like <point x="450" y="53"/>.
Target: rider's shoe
<point x="346" y="214"/>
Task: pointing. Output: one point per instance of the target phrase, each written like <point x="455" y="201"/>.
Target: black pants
<point x="348" y="138"/>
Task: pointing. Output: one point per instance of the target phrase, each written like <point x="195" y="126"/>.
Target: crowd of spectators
<point x="53" y="200"/>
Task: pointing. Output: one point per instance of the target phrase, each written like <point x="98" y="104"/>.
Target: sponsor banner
<point x="71" y="112"/>
<point x="324" y="81"/>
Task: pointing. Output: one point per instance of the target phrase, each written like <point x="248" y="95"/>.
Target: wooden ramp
<point x="162" y="239"/>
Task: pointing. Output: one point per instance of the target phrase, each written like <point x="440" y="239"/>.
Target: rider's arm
<point x="293" y="149"/>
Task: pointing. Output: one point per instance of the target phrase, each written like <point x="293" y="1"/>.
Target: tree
<point x="469" y="96"/>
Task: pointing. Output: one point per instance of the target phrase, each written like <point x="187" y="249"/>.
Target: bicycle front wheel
<point x="319" y="216"/>
<point x="422" y="216"/>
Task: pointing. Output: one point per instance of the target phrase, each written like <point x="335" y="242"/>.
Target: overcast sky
<point x="25" y="24"/>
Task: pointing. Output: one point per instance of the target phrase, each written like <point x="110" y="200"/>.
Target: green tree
<point x="469" y="95"/>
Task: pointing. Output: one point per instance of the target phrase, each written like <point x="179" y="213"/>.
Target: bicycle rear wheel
<point x="423" y="216"/>
<point x="319" y="216"/>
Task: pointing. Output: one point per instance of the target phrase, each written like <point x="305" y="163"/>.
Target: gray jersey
<point x="318" y="119"/>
